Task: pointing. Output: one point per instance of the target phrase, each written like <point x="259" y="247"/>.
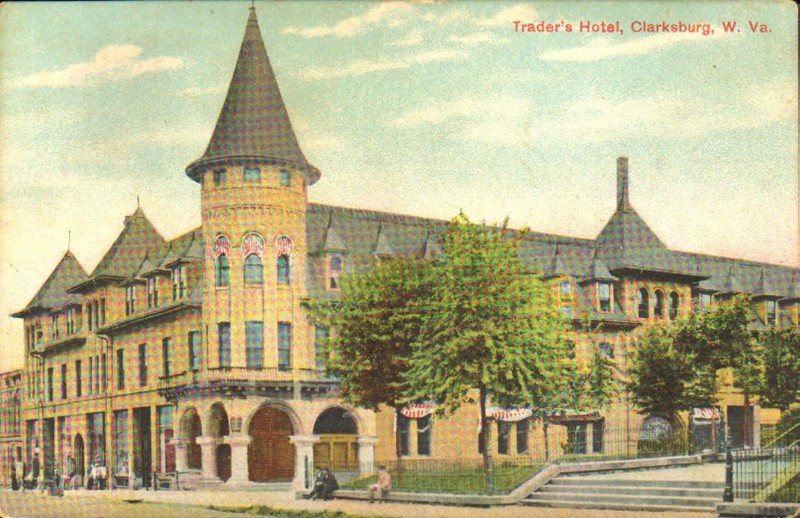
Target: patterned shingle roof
<point x="53" y="293"/>
<point x="137" y="238"/>
<point x="253" y="123"/>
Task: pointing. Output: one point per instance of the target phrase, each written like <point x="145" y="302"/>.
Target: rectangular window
<point x="335" y="267"/>
<point x="254" y="340"/>
<point x="121" y="442"/>
<point x="71" y="320"/>
<point x="166" y="450"/>
<point x="224" y="334"/>
<point x="89" y="316"/>
<point x="576" y="439"/>
<point x="49" y="384"/>
<point x="102" y="312"/>
<point x="91" y="374"/>
<point x="97" y="435"/>
<point x="54" y="327"/>
<point x="284" y="346"/>
<point x="604" y="297"/>
<point x="120" y="369"/>
<point x="321" y="337"/>
<point x="523" y="432"/>
<point x="404" y="426"/>
<point x="103" y="378"/>
<point x="424" y="435"/>
<point x="598" y="436"/>
<point x="178" y="282"/>
<point x="97" y="374"/>
<point x="130" y="300"/>
<point x="195" y="341"/>
<point x="772" y="312"/>
<point x="166" y="356"/>
<point x="252" y="174"/>
<point x="503" y="437"/>
<point x="706" y="300"/>
<point x="220" y="176"/>
<point x="78" y="380"/>
<point x="152" y="292"/>
<point x="142" y="365"/>
<point x="63" y="381"/>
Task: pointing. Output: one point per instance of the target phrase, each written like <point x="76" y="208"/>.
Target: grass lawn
<point x="790" y="492"/>
<point x="449" y="479"/>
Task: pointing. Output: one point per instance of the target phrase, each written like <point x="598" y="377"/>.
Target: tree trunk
<point x="398" y="450"/>
<point x="487" y="457"/>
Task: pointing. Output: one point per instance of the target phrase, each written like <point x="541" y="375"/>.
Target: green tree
<point x="492" y="327"/>
<point x="376" y="320"/>
<point x="778" y="367"/>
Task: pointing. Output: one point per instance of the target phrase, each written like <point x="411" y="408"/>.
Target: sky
<point x="416" y="108"/>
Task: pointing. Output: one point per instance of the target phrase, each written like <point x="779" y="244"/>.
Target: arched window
<point x="222" y="271"/>
<point x="284" y="269"/>
<point x="253" y="249"/>
<point x="658" y="310"/>
<point x="644" y="303"/>
<point x="253" y="269"/>
<point x="674" y="304"/>
<point x="334" y="272"/>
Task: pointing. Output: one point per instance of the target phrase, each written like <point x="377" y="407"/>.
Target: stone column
<point x="239" y="467"/>
<point x="366" y="454"/>
<point x="181" y="453"/>
<point x="208" y="447"/>
<point x="304" y="460"/>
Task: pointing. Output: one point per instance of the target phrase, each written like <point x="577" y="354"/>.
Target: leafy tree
<point x="778" y="367"/>
<point x="376" y="320"/>
<point x="492" y="327"/>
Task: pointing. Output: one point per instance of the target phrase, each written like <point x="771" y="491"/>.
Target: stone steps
<point x="627" y="494"/>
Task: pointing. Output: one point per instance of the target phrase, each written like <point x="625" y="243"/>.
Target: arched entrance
<point x="218" y="427"/>
<point x="192" y="429"/>
<point x="79" y="457"/>
<point x="270" y="455"/>
<point x="337" y="448"/>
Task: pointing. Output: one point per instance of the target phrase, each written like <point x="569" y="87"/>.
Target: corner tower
<point x="254" y="178"/>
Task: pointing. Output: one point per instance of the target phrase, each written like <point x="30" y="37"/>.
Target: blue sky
<point x="418" y="108"/>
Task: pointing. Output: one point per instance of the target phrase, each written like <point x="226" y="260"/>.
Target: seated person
<point x="319" y="484"/>
<point x="330" y="485"/>
<point x="383" y="486"/>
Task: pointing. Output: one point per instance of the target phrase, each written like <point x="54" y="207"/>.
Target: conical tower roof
<point x="253" y="125"/>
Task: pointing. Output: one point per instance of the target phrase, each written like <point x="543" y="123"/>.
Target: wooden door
<point x="270" y="455"/>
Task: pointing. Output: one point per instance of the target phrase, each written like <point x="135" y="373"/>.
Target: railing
<point x="767" y="474"/>
<point x="244" y="375"/>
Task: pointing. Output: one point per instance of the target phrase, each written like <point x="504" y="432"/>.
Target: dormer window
<point x="658" y="310"/>
<point x="643" y="303"/>
<point x="130" y="300"/>
<point x="252" y="174"/>
<point x="605" y="291"/>
<point x="71" y="320"/>
<point x="706" y="300"/>
<point x="220" y="175"/>
<point x="335" y="263"/>
<point x="179" y="282"/>
<point x="54" y="331"/>
<point x="772" y="312"/>
<point x="566" y="288"/>
<point x="284" y="177"/>
<point x="152" y="292"/>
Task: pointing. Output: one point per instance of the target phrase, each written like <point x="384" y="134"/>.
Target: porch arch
<point x="337" y="448"/>
<point x="270" y="454"/>
<point x="191" y="429"/>
<point x="218" y="427"/>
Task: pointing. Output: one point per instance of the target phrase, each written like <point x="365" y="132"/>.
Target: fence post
<point x="727" y="496"/>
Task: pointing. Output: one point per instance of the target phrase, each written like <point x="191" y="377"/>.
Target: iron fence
<point x="767" y="474"/>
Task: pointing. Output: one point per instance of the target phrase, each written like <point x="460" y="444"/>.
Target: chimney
<point x="622" y="183"/>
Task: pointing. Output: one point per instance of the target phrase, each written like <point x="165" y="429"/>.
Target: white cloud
<point x="196" y="91"/>
<point x="520" y="12"/>
<point x="361" y="67"/>
<point x="111" y="63"/>
<point x="412" y="39"/>
<point x="389" y="12"/>
<point x="476" y="38"/>
<point x="603" y="48"/>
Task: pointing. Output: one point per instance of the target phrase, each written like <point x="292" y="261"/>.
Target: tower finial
<point x="69" y="240"/>
<point x="138" y="206"/>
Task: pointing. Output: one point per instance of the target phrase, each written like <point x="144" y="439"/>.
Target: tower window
<point x="220" y="176"/>
<point x="643" y="303"/>
<point x="284" y="177"/>
<point x="284" y="269"/>
<point x="253" y="270"/>
<point x="252" y="174"/>
<point x="222" y="271"/>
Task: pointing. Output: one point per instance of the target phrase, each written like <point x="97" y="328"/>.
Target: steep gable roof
<point x="133" y="243"/>
<point x="53" y="293"/>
